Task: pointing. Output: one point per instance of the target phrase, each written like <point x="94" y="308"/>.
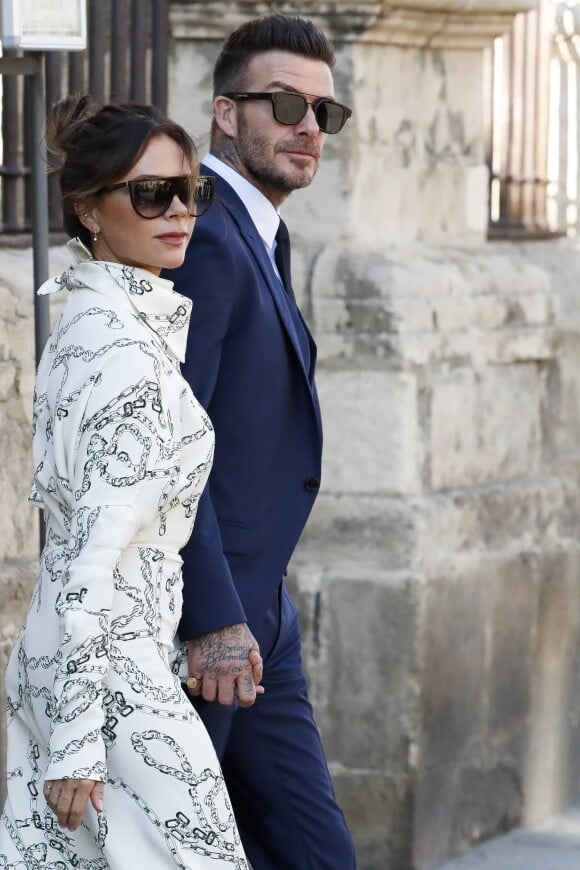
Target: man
<point x="250" y="362"/>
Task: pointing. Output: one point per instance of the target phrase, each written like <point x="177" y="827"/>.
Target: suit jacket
<point x="246" y="367"/>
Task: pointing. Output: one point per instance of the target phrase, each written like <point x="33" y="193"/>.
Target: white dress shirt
<point x="265" y="217"/>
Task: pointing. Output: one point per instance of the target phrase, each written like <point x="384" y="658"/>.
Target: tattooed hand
<point x="227" y="665"/>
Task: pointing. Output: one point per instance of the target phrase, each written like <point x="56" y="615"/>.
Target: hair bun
<point x="65" y="118"/>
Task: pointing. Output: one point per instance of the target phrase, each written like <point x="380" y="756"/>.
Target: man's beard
<point x="256" y="155"/>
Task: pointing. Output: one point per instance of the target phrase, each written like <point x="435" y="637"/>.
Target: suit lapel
<point x="255" y="243"/>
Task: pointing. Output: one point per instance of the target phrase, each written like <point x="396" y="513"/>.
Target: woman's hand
<point x="68" y="798"/>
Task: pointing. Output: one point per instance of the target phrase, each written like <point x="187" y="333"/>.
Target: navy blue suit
<point x="250" y="362"/>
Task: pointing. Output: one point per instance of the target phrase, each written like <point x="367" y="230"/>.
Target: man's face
<point x="279" y="158"/>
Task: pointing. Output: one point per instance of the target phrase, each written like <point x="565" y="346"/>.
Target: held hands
<point x="225" y="665"/>
<point x="68" y="798"/>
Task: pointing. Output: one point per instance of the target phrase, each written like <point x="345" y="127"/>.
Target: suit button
<point x="312" y="484"/>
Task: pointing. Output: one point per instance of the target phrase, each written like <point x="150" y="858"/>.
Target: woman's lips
<point x="172" y="238"/>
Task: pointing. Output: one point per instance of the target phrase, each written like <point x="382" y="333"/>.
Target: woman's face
<point x="124" y="236"/>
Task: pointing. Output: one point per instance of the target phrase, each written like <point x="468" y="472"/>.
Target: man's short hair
<point x="268" y="33"/>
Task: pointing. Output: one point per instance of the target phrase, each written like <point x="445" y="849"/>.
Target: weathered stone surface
<point x="379" y="809"/>
<point x="452" y="23"/>
<point x="387" y="530"/>
<point x="16" y="579"/>
<point x="475" y="435"/>
<point x="372" y="431"/>
<point x="359" y="630"/>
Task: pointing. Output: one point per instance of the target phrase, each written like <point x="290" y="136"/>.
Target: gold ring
<point x="192" y="683"/>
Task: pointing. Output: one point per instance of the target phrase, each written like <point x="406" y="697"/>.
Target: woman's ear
<point x="225" y="112"/>
<point x="87" y="216"/>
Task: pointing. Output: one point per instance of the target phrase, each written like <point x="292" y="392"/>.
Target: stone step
<point x="552" y="845"/>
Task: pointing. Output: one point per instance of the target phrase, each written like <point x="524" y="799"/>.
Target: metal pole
<point x="160" y="41"/>
<point x="40" y="239"/>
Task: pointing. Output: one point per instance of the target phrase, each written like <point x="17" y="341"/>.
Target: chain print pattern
<point x="121" y="452"/>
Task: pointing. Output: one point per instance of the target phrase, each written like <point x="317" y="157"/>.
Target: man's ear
<point x="225" y="112"/>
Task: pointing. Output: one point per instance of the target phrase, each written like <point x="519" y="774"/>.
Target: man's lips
<point x="300" y="149"/>
<point x="300" y="154"/>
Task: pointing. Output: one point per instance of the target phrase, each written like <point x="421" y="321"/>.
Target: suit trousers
<point x="273" y="761"/>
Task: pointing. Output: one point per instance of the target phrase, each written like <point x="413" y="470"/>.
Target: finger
<point x="257" y="664"/>
<point x="193" y="685"/>
<point x="98" y="796"/>
<point x="257" y="673"/>
<point x="246" y="691"/>
<point x="209" y="688"/>
<point x="62" y="805"/>
<point x="226" y="691"/>
<point x="78" y="805"/>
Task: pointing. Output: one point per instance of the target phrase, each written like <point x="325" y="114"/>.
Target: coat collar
<point x="157" y="304"/>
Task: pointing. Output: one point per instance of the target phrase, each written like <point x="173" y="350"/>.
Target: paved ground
<point x="553" y="845"/>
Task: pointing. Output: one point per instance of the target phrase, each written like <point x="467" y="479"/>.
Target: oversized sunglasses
<point x="151" y="197"/>
<point x="291" y="108"/>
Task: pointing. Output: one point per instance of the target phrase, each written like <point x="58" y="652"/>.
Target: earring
<point x="95" y="237"/>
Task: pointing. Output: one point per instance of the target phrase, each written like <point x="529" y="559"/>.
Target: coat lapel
<point x="251" y="237"/>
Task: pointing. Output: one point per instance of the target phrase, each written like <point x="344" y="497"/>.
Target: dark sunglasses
<point x="291" y="108"/>
<point x="151" y="197"/>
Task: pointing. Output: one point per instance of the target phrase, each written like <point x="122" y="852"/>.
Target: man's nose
<point x="308" y="124"/>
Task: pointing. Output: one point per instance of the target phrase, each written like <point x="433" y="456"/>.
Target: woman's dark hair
<point x="269" y="33"/>
<point x="93" y="145"/>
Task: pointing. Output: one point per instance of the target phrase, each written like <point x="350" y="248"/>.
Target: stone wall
<point x="438" y="578"/>
<point x="19" y="533"/>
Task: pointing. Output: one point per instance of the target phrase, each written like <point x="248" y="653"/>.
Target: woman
<point x="122" y="451"/>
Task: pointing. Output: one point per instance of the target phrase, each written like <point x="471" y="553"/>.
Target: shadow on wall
<point x="549" y="774"/>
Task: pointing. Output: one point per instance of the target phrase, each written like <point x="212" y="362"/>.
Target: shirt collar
<point x="158" y="305"/>
<point x="265" y="217"/>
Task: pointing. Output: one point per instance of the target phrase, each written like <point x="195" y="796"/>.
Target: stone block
<point x="500" y="652"/>
<point x="478" y="635"/>
<point x="18" y="537"/>
<point x="476" y="433"/>
<point x="362" y="667"/>
<point x="7" y="380"/>
<point x="389" y="531"/>
<point x="190" y="87"/>
<point x="454" y="644"/>
<point x="16" y="583"/>
<point x="464" y="806"/>
<point x="478" y="521"/>
<point x="561" y="403"/>
<point x="371" y="432"/>
<point x="550" y="781"/>
<point x="379" y="811"/>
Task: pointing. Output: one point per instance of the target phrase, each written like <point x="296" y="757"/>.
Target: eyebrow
<point x="291" y="90"/>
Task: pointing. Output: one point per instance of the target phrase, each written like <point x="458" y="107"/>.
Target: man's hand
<point x="68" y="799"/>
<point x="226" y="664"/>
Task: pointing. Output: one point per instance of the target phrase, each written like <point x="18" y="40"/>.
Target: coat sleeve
<point x="117" y="450"/>
<point x="214" y="277"/>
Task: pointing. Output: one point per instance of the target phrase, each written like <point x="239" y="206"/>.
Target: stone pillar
<point x="438" y="577"/>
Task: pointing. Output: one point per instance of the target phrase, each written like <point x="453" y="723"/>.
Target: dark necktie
<point x="282" y="257"/>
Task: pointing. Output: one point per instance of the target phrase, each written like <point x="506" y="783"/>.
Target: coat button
<point x="312" y="484"/>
